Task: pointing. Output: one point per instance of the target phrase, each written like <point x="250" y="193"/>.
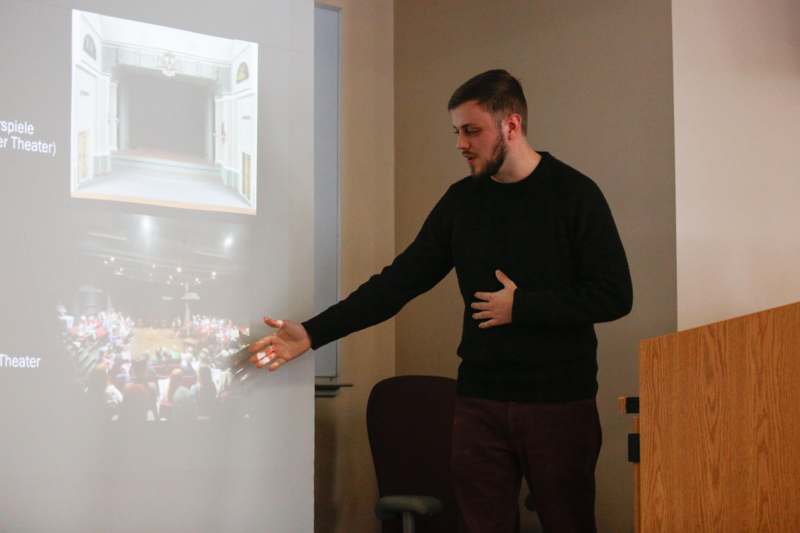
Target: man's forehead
<point x="469" y="113"/>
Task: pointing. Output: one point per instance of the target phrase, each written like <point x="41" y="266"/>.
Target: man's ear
<point x="514" y="124"/>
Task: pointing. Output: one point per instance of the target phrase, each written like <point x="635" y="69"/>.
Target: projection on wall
<point x="147" y="249"/>
<point x="162" y="116"/>
<point x="148" y="317"/>
<point x="148" y="221"/>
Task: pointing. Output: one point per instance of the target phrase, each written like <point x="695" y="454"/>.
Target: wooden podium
<point x="719" y="427"/>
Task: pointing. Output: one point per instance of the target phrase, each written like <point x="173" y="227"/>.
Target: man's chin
<point x="476" y="174"/>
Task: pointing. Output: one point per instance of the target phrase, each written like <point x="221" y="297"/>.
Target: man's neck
<point x="518" y="166"/>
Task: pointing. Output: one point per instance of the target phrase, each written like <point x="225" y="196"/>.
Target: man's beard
<point x="493" y="165"/>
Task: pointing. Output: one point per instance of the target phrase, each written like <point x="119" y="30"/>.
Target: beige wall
<point x="599" y="84"/>
<point x="737" y="126"/>
<point x="345" y="489"/>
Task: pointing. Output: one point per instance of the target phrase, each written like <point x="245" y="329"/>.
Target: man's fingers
<point x="484" y="295"/>
<point x="505" y="280"/>
<point x="261" y="343"/>
<point x="271" y="322"/>
<point x="488" y="324"/>
<point x="260" y="359"/>
<point x="482" y="314"/>
<point x="480" y="305"/>
<point x="265" y="360"/>
<point x="276" y="363"/>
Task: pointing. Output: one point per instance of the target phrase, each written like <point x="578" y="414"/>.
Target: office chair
<point x="409" y="423"/>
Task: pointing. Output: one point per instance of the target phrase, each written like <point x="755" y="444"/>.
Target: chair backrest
<point x="409" y="423"/>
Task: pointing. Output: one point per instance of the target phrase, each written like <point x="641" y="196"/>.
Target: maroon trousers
<point x="553" y="446"/>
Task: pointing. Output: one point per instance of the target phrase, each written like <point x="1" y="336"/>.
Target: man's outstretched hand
<point x="273" y="351"/>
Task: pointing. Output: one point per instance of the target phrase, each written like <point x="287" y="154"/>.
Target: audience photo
<point x="134" y="370"/>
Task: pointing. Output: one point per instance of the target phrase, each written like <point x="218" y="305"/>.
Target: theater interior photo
<point x="162" y="116"/>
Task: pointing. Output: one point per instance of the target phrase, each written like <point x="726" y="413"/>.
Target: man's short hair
<point x="496" y="91"/>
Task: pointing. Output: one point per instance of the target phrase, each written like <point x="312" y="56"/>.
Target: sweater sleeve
<point x="417" y="269"/>
<point x="601" y="290"/>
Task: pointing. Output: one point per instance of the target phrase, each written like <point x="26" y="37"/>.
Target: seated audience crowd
<point x="167" y="384"/>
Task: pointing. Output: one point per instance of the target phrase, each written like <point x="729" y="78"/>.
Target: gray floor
<point x="164" y="183"/>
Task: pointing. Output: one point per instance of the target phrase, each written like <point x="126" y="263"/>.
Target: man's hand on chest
<point x="494" y="308"/>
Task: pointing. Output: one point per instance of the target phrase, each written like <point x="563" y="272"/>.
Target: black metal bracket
<point x="328" y="389"/>
<point x="632" y="405"/>
<point x="633" y="448"/>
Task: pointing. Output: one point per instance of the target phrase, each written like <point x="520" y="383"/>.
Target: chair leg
<point x="408" y="522"/>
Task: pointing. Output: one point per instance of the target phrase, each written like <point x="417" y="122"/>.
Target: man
<point x="539" y="262"/>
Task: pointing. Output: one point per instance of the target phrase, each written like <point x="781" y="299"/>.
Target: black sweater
<point x="552" y="233"/>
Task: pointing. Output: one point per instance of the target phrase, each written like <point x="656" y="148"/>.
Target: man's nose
<point x="461" y="142"/>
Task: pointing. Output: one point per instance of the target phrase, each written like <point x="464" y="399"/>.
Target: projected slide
<point x="147" y="322"/>
<point x="151" y="212"/>
<point x="162" y="116"/>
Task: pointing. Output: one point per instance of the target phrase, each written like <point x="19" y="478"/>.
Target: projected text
<point x="19" y="361"/>
<point x="13" y="140"/>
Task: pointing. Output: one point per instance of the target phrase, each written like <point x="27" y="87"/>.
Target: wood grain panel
<point x="720" y="426"/>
